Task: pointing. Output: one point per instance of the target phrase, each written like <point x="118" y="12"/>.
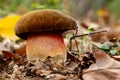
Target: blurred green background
<point x="81" y="10"/>
<point x="76" y="8"/>
<point x="23" y="6"/>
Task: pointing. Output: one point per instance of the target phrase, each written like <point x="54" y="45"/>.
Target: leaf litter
<point x="91" y="63"/>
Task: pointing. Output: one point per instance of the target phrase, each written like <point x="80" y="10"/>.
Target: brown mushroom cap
<point x="43" y="20"/>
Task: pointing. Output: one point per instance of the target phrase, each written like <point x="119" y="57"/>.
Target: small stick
<point x="96" y="32"/>
<point x="57" y="65"/>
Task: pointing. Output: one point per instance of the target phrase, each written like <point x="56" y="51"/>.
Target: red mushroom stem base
<point x="43" y="45"/>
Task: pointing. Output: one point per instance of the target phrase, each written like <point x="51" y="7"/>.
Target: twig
<point x="76" y="45"/>
<point x="57" y="65"/>
<point x="96" y="32"/>
<point x="71" y="71"/>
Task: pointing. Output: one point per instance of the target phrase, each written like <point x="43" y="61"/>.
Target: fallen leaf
<point x="104" y="12"/>
<point x="105" y="68"/>
<point x="72" y="58"/>
<point x="21" y="51"/>
<point x="103" y="61"/>
<point x="102" y="74"/>
<point x="8" y="55"/>
<point x="7" y="26"/>
<point x="116" y="58"/>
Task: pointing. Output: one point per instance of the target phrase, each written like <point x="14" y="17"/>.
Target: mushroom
<point x="43" y="31"/>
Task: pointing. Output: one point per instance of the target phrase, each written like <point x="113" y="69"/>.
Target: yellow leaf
<point x="103" y="12"/>
<point x="7" y="26"/>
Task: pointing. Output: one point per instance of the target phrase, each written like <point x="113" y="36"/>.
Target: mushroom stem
<point x="42" y="45"/>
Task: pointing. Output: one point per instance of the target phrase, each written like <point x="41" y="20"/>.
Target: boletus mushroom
<point x="43" y="31"/>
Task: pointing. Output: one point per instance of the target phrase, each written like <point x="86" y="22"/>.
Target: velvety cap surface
<point x="43" y="20"/>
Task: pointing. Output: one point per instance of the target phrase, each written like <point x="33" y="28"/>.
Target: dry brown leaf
<point x="105" y="68"/>
<point x="8" y="55"/>
<point x="116" y="58"/>
<point x="102" y="74"/>
<point x="21" y="51"/>
<point x="103" y="61"/>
